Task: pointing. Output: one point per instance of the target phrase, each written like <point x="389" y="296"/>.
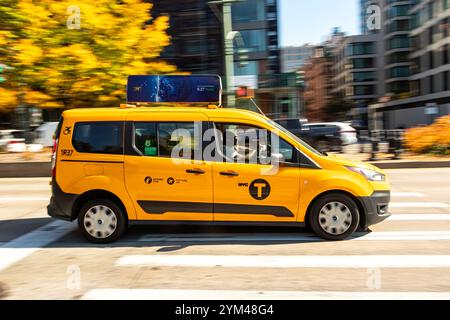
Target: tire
<point x="334" y="217"/>
<point x="101" y="221"/>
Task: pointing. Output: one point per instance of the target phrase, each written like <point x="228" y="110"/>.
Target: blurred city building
<point x="318" y="79"/>
<point x="196" y="36"/>
<point x="424" y="62"/>
<point x="396" y="27"/>
<point x="294" y="58"/>
<point x="358" y="72"/>
<point x="197" y="47"/>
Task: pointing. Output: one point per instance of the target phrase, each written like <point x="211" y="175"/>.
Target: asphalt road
<point x="406" y="257"/>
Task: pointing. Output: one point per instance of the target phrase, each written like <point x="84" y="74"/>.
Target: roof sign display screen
<point x="179" y="89"/>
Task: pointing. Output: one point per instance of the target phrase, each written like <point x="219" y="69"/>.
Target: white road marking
<point x="407" y="194"/>
<point x="167" y="294"/>
<point x="420" y="217"/>
<point x="418" y="205"/>
<point x="405" y="236"/>
<point x="230" y="238"/>
<point x="23" y="246"/>
<point x="236" y="261"/>
<point x="12" y="199"/>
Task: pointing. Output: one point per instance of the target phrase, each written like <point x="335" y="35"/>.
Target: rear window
<point x="157" y="139"/>
<point x="98" y="137"/>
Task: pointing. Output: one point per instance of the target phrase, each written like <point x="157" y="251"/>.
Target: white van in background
<point x="44" y="134"/>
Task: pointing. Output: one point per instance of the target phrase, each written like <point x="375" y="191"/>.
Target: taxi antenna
<point x="257" y="107"/>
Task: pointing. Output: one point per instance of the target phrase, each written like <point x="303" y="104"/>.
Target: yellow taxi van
<point x="116" y="165"/>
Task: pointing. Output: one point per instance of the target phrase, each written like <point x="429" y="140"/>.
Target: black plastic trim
<point x="162" y="207"/>
<point x="371" y="207"/>
<point x="61" y="203"/>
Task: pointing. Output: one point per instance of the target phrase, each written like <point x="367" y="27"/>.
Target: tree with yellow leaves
<point x="65" y="56"/>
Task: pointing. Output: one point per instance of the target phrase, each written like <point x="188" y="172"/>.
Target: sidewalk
<point x="38" y="164"/>
<point x="406" y="161"/>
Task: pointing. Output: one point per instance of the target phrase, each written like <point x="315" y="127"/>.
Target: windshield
<point x="293" y="136"/>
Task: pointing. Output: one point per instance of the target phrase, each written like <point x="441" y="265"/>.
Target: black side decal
<point x="161" y="207"/>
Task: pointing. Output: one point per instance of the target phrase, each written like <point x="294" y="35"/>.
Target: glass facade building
<point x="257" y="22"/>
<point x="197" y="36"/>
<point x="294" y="58"/>
<point x="424" y="66"/>
<point x="397" y="44"/>
<point x="357" y="70"/>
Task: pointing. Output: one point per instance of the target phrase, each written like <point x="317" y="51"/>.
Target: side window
<point x="288" y="151"/>
<point x="179" y="134"/>
<point x="146" y="138"/>
<point x="98" y="137"/>
<point x="248" y="144"/>
<point x="155" y="139"/>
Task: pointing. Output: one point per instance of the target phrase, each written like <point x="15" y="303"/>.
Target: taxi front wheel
<point x="334" y="217"/>
<point x="101" y="221"/>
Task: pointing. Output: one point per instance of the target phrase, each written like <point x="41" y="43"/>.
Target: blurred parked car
<point x="296" y="126"/>
<point x="339" y="134"/>
<point x="325" y="137"/>
<point x="44" y="133"/>
<point x="12" y="141"/>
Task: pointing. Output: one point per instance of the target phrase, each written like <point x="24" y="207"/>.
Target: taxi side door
<point x="164" y="187"/>
<point x="254" y="192"/>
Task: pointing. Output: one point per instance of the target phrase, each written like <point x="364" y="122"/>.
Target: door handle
<point x="195" y="171"/>
<point x="229" y="174"/>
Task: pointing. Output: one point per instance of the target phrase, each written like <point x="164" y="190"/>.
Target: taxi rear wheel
<point x="101" y="221"/>
<point x="334" y="217"/>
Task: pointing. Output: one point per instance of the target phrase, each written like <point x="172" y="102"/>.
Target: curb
<point x="25" y="170"/>
<point x="412" y="164"/>
<point x="43" y="169"/>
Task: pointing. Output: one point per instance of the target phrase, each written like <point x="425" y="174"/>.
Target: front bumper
<point x="376" y="208"/>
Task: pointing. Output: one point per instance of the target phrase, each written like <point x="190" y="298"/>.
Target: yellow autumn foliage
<point x="8" y="98"/>
<point x="431" y="139"/>
<point x="62" y="59"/>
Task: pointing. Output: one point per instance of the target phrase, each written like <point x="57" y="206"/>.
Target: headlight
<point x="371" y="175"/>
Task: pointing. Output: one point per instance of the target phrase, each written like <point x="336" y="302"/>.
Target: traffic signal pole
<point x="227" y="22"/>
<point x="229" y="54"/>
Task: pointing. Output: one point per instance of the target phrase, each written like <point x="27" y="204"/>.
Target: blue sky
<point x="310" y="21"/>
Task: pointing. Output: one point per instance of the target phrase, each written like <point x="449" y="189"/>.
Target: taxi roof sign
<point x="174" y="88"/>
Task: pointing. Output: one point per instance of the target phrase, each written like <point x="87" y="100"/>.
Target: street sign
<point x="431" y="109"/>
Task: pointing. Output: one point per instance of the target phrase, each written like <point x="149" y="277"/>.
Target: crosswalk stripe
<point x="407" y="194"/>
<point x="23" y="246"/>
<point x="174" y="294"/>
<point x="347" y="261"/>
<point x="420" y="217"/>
<point x="418" y="205"/>
<point x="227" y="238"/>
<point x="12" y="199"/>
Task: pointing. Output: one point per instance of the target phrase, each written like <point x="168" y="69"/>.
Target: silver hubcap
<point x="335" y="218"/>
<point x="100" y="222"/>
